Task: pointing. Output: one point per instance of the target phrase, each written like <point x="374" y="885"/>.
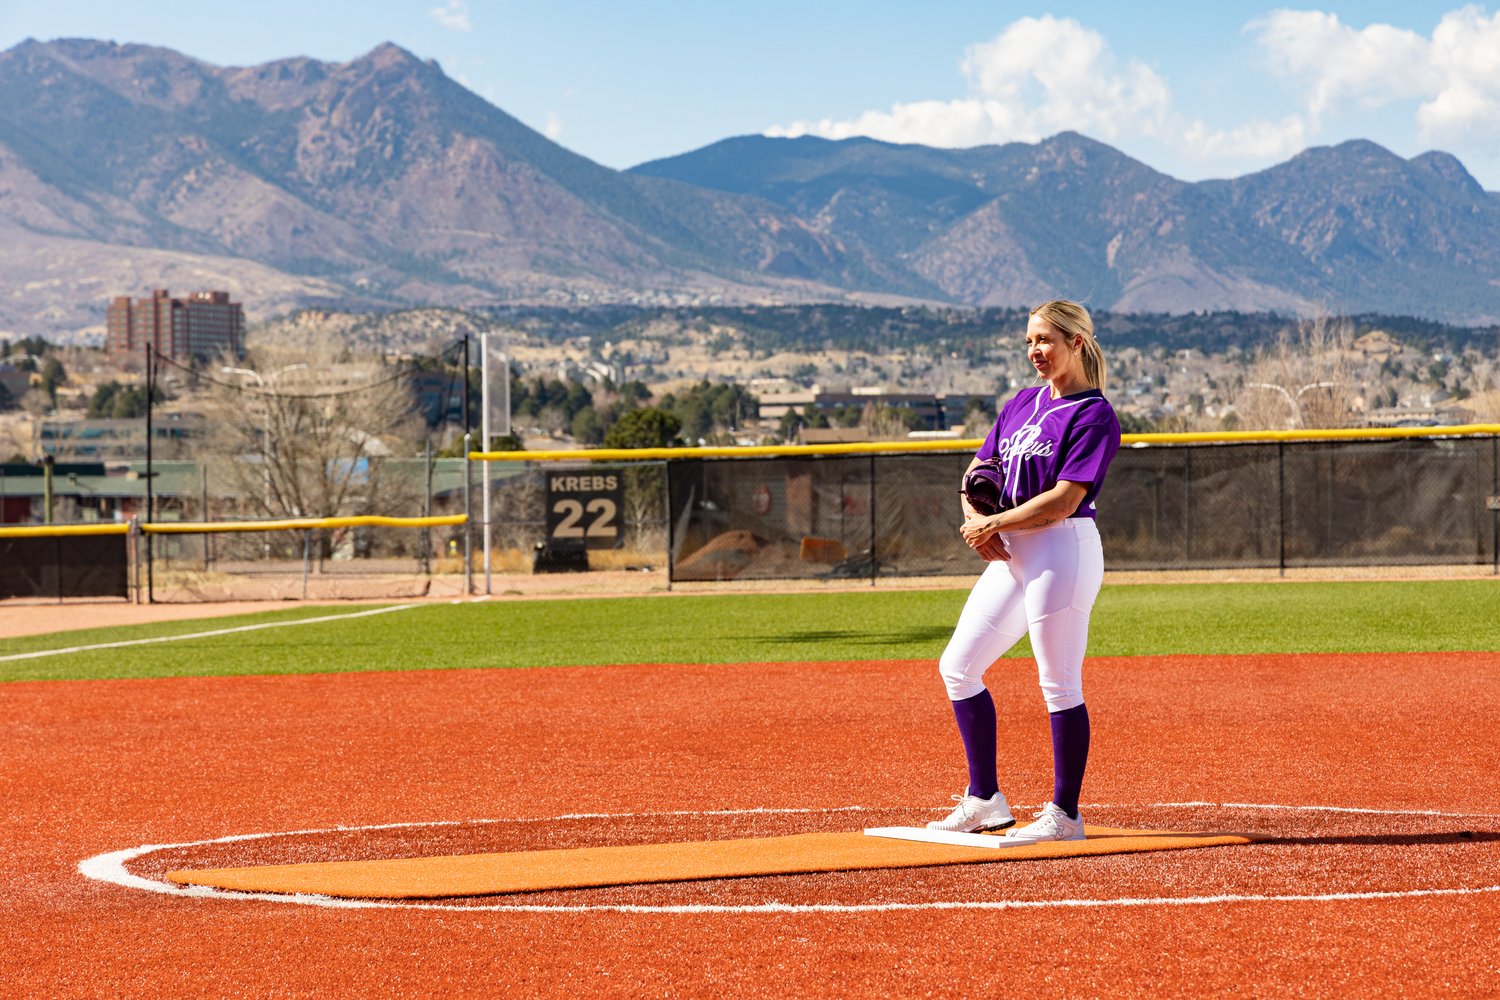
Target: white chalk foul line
<point x="205" y="635"/>
<point x="1306" y="808"/>
<point x="110" y="868"/>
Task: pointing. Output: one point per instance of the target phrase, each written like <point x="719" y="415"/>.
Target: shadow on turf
<point x="1392" y="839"/>
<point x="917" y="634"/>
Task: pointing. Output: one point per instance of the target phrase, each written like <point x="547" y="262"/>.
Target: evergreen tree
<point x="709" y="409"/>
<point x="53" y="376"/>
<point x="103" y="400"/>
<point x="587" y="428"/>
<point x="649" y="427"/>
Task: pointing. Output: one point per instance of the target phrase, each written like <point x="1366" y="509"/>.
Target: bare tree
<point x="305" y="432"/>
<point x="1306" y="380"/>
<point x="552" y="420"/>
<point x="17" y="438"/>
<point x="37" y="403"/>
<point x="1485" y="401"/>
<point x="884" y="423"/>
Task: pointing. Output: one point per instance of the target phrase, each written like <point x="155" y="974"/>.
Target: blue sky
<point x="1195" y="90"/>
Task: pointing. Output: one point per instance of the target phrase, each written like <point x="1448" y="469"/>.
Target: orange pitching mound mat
<point x="591" y="867"/>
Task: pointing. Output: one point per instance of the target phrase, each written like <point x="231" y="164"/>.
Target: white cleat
<point x="1052" y="824"/>
<point x="973" y="814"/>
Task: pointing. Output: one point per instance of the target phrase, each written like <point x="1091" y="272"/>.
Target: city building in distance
<point x="203" y="325"/>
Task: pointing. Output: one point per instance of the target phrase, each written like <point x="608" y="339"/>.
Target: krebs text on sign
<point x="585" y="507"/>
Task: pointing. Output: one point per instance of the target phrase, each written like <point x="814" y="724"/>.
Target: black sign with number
<point x="585" y="507"/>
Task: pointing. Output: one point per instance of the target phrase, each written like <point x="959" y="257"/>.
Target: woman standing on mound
<point x="1028" y="503"/>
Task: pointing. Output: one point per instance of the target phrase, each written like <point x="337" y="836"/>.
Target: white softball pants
<point x="1046" y="588"/>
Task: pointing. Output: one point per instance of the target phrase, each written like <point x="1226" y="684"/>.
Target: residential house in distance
<point x="935" y="412"/>
<point x="202" y="326"/>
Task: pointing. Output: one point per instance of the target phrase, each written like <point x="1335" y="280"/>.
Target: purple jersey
<point x="1041" y="441"/>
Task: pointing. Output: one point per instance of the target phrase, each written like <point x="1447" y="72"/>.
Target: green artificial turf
<point x="1127" y="621"/>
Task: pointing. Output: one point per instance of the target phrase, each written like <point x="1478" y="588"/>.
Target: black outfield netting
<point x="1392" y="502"/>
<point x="1399" y="502"/>
<point x="62" y="566"/>
<point x="854" y="516"/>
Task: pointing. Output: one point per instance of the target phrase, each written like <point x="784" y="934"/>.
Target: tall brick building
<point x="204" y="325"/>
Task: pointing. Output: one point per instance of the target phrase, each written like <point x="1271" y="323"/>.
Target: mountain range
<point x="381" y="182"/>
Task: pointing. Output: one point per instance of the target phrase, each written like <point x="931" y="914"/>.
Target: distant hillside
<point x="909" y="330"/>
<point x="1353" y="228"/>
<point x="381" y="183"/>
<point x="378" y="181"/>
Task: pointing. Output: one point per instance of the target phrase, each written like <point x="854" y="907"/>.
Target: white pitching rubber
<point x="956" y="839"/>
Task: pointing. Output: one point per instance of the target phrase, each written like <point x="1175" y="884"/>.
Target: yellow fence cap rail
<point x="747" y="451"/>
<point x="972" y="444"/>
<point x="299" y="523"/>
<point x="1310" y="434"/>
<point x="62" y="530"/>
<point x="204" y="527"/>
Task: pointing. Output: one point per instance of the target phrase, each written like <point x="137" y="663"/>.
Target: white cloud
<point x="1037" y="77"/>
<point x="1339" y="64"/>
<point x="552" y="128"/>
<point x="1255" y="140"/>
<point x="453" y="15"/>
<point x="1044" y="75"/>
<point x="1455" y="74"/>
<point x="1054" y="73"/>
<point x="1466" y="48"/>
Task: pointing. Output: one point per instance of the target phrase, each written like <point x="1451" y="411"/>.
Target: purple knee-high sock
<point x="1070" y="754"/>
<point x="976" y="724"/>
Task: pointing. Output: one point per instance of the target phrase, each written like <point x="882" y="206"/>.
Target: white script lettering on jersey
<point x="1023" y="444"/>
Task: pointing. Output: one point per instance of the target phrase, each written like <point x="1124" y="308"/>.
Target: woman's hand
<point x="993" y="550"/>
<point x="978" y="530"/>
<point x="981" y="534"/>
<point x="986" y="541"/>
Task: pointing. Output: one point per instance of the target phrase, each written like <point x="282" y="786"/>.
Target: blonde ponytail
<point x="1094" y="368"/>
<point x="1074" y="321"/>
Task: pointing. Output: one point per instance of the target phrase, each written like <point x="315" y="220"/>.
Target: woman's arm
<point x="1041" y="510"/>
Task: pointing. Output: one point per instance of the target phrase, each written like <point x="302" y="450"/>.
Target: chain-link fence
<point x="1417" y="501"/>
<point x="357" y="561"/>
<point x="1396" y="502"/>
<point x="852" y="517"/>
<point x="296" y="429"/>
<point x="576" y="516"/>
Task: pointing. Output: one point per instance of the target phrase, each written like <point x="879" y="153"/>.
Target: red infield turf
<point x="1395" y="890"/>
